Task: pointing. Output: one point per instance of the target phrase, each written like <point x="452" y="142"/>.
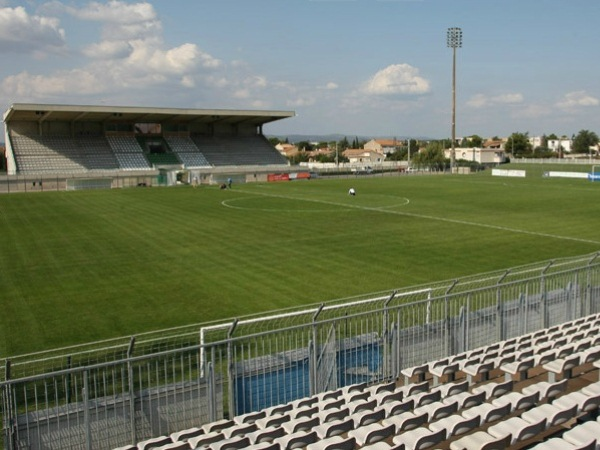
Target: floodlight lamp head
<point x="454" y="37"/>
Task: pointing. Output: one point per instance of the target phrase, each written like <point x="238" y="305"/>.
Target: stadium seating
<point x="238" y="150"/>
<point x="458" y="414"/>
<point x="187" y="152"/>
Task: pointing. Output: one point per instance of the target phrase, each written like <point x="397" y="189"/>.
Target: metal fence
<point x="112" y="393"/>
<point x="68" y="182"/>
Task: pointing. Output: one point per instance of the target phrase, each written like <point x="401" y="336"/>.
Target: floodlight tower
<point x="454" y="41"/>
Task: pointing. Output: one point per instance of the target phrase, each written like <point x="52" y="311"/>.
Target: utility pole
<point x="454" y="41"/>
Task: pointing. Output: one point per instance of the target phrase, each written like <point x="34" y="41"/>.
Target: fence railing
<point x="122" y="391"/>
<point x="47" y="182"/>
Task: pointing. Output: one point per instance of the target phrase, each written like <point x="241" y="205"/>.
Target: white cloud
<point x="22" y="32"/>
<point x="577" y="99"/>
<point x="508" y="99"/>
<point x="122" y="21"/>
<point x="25" y="85"/>
<point x="397" y="79"/>
<point x="478" y="101"/>
<point x="108" y="50"/>
<point x="331" y="86"/>
<point x="482" y="101"/>
<point x="131" y="55"/>
<point x="301" y="102"/>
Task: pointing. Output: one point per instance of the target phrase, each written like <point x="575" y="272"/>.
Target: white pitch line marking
<point x="424" y="216"/>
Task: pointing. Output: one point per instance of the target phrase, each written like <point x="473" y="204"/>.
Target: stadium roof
<point x="89" y="113"/>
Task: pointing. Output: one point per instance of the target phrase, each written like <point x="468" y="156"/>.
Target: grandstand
<point x="104" y="141"/>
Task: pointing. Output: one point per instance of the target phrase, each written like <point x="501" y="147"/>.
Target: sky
<point x="374" y="68"/>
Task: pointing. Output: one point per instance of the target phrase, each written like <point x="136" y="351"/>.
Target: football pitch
<point x="91" y="265"/>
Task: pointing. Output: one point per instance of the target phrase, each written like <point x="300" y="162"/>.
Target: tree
<point x="472" y="141"/>
<point x="343" y="144"/>
<point x="518" y="145"/>
<point x="304" y="146"/>
<point x="583" y="141"/>
<point x="431" y="156"/>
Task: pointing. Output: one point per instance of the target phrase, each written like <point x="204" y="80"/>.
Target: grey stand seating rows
<point x="457" y="413"/>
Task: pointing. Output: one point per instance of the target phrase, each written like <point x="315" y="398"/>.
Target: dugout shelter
<point x="94" y="142"/>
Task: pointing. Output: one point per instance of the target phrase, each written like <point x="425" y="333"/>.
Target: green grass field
<point x="83" y="266"/>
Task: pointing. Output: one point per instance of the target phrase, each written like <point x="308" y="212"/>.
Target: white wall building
<point x="485" y="156"/>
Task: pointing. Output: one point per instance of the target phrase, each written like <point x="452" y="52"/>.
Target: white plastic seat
<point x="590" y="355"/>
<point x="278" y="409"/>
<point x="547" y="390"/>
<point x="266" y="434"/>
<point x="443" y="369"/>
<point x="517" y="400"/>
<point x="591" y="389"/>
<point x="583" y="434"/>
<point x="560" y="444"/>
<point x="173" y="446"/>
<point x="449" y="389"/>
<point x="206" y="439"/>
<point x="333" y="443"/>
<point x="387" y="397"/>
<point x="154" y="442"/>
<point x="437" y="410"/>
<point x="235" y="443"/>
<point x="519" y="367"/>
<point x="218" y="425"/>
<point x="395" y="408"/>
<point x="584" y="402"/>
<point x="272" y="421"/>
<point x="250" y="417"/>
<point x="518" y="428"/>
<point x="416" y="388"/>
<point x="562" y="366"/>
<point x="493" y="389"/>
<point x="406" y="421"/>
<point x="480" y="440"/>
<point x="553" y="414"/>
<point x="425" y="398"/>
<point x="487" y="412"/>
<point x="383" y="445"/>
<point x="334" y="428"/>
<point x="482" y="369"/>
<point x="304" y="424"/>
<point x="186" y="434"/>
<point x="372" y="433"/>
<point x="299" y="439"/>
<point x="420" y="438"/>
<point x="361" y="405"/>
<point x="465" y="399"/>
<point x="544" y="356"/>
<point x="417" y="372"/>
<point x="455" y="425"/>
<point x="330" y="415"/>
<point x="367" y="417"/>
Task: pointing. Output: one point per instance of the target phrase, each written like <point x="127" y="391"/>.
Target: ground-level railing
<point x="123" y="391"/>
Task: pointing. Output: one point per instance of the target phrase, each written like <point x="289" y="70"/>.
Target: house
<point x="483" y="156"/>
<point x="557" y="144"/>
<point x="287" y="149"/>
<point x="494" y="144"/>
<point x="363" y="156"/>
<point x="382" y="145"/>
